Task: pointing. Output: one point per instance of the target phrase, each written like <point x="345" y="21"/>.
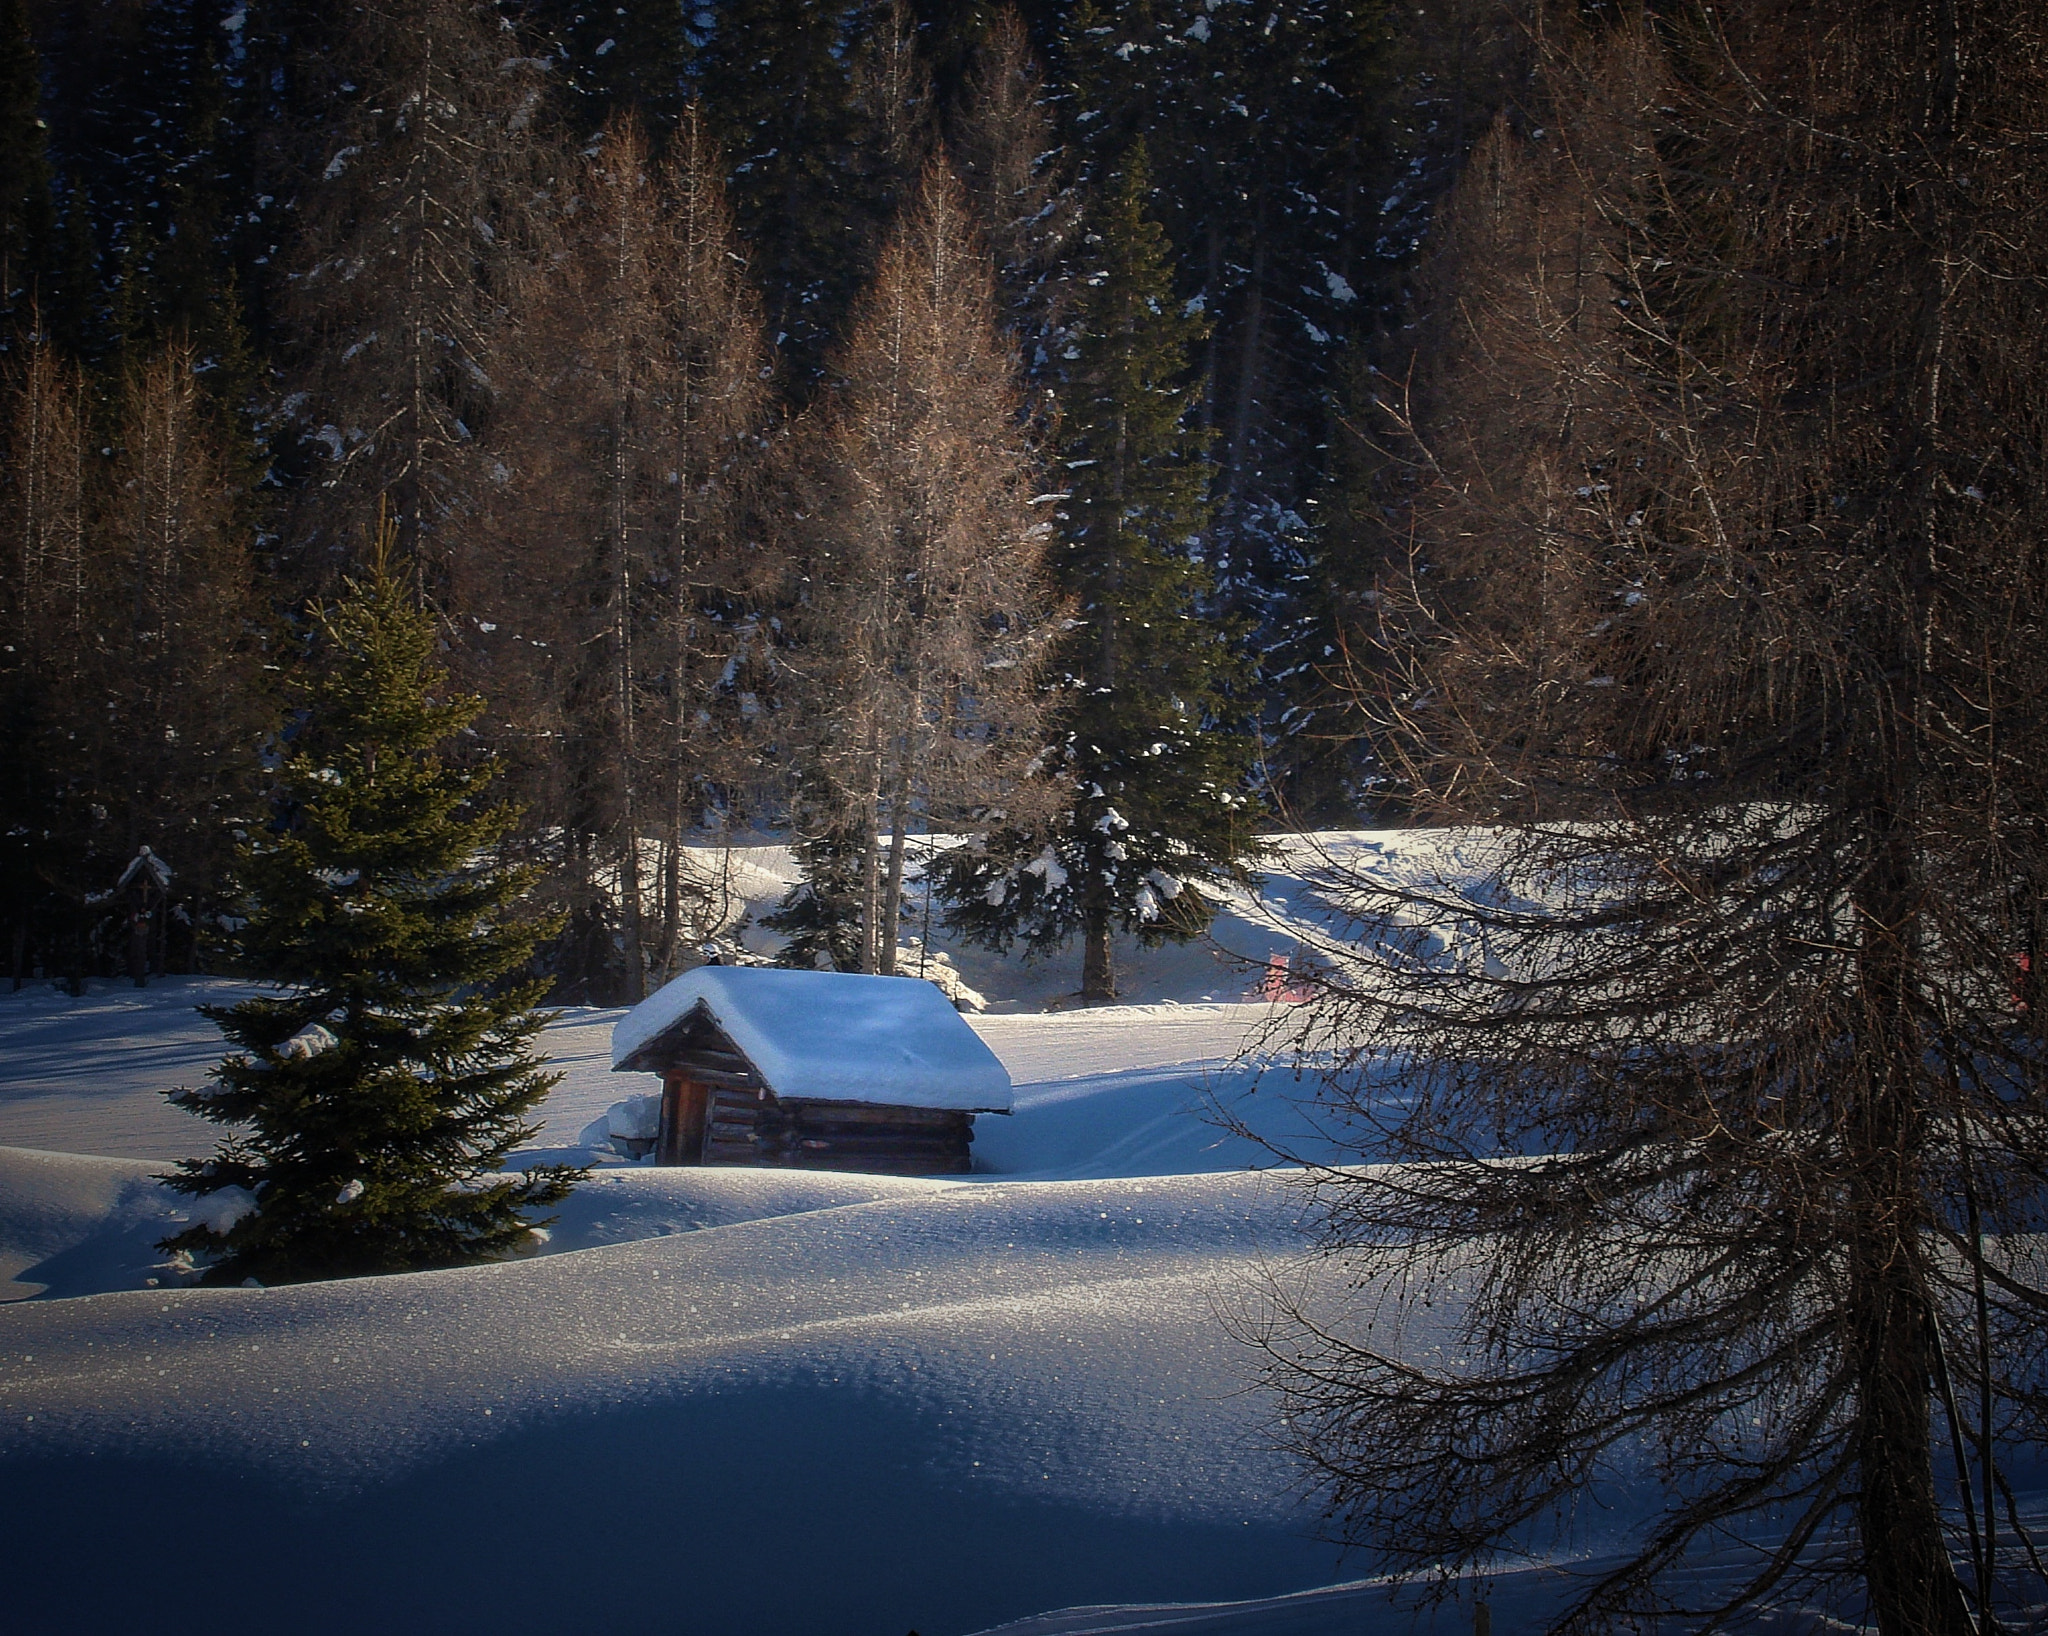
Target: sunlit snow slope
<point x="747" y="1403"/>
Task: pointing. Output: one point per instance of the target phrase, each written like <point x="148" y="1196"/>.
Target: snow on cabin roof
<point x="833" y="1036"/>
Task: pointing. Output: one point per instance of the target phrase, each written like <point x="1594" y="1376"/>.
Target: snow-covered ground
<point x="720" y="1401"/>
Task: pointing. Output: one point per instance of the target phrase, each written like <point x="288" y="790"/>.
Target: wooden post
<point x="665" y="1136"/>
<point x="138" y="946"/>
<point x="683" y="1105"/>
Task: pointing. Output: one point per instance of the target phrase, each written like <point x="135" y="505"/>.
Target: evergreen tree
<point x="951" y="34"/>
<point x="1284" y="177"/>
<point x="176" y="179"/>
<point x="616" y="60"/>
<point x="1107" y="59"/>
<point x="1277" y="224"/>
<point x="1155" y="747"/>
<point x="27" y="216"/>
<point x="73" y="308"/>
<point x="820" y="916"/>
<point x="383" y="1088"/>
<point x="821" y="110"/>
<point x="778" y="97"/>
<point x="138" y="102"/>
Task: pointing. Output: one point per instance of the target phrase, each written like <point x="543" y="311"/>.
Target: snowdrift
<point x="900" y="1405"/>
<point x="762" y="1402"/>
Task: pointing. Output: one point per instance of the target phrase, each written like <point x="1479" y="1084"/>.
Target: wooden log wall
<point x="717" y="1110"/>
<point x="745" y="1128"/>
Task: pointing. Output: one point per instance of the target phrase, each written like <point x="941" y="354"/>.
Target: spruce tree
<point x="1286" y="181"/>
<point x="823" y="111"/>
<point x="27" y="214"/>
<point x="372" y="1100"/>
<point x="820" y="916"/>
<point x="1154" y="746"/>
<point x="779" y="100"/>
<point x="618" y="60"/>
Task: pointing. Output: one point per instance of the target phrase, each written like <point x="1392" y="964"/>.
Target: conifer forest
<point x="1101" y="432"/>
<point x="1559" y="486"/>
<point x="855" y="421"/>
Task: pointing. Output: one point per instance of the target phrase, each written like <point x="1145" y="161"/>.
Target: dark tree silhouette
<point x="1723" y="1084"/>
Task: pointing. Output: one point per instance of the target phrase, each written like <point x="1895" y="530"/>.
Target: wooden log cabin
<point x="813" y="1070"/>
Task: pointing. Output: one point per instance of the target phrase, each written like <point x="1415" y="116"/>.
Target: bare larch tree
<point x="414" y="213"/>
<point x="1721" y="1088"/>
<point x="641" y="378"/>
<point x="926" y="612"/>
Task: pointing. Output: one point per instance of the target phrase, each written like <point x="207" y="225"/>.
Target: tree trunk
<point x="1911" y="1580"/>
<point x="870" y="902"/>
<point x="868" y="813"/>
<point x="892" y="891"/>
<point x="1098" y="956"/>
<point x="1250" y="362"/>
<point x="630" y="911"/>
<point x="630" y="899"/>
<point x="1912" y="1583"/>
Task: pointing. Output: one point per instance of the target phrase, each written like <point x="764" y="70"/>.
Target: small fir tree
<point x="1155" y="743"/>
<point x="821" y="914"/>
<point x="374" y="1099"/>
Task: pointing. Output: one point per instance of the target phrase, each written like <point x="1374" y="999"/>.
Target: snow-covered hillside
<point x="717" y="1401"/>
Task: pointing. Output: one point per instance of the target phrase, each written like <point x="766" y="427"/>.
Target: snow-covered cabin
<point x="823" y="1070"/>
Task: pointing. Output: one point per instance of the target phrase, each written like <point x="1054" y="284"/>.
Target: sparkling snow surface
<point x="727" y="1402"/>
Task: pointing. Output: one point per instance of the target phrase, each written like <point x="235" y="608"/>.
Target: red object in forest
<point x="1281" y="983"/>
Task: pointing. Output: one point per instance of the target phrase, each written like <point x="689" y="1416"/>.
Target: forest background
<point x="854" y="419"/>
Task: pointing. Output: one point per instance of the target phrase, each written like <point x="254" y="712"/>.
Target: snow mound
<point x="914" y="1405"/>
<point x="821" y="1403"/>
<point x="628" y="1128"/>
<point x="71" y="1225"/>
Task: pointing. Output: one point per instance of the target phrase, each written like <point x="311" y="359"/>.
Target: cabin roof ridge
<point x="822" y="1036"/>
